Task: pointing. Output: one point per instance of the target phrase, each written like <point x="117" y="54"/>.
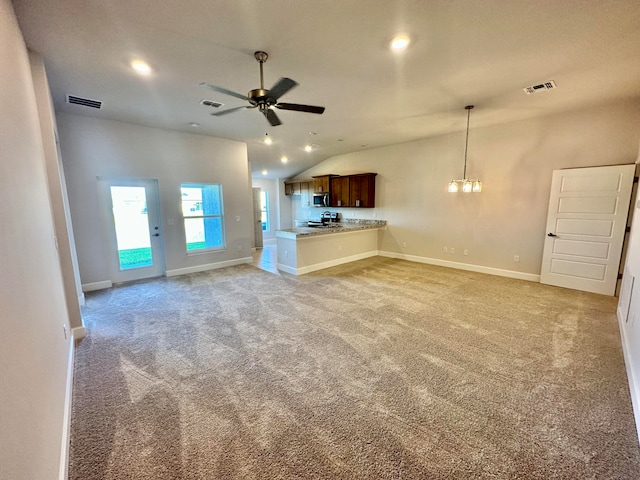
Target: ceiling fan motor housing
<point x="260" y="96"/>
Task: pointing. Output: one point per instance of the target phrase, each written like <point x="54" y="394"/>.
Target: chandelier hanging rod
<point x="466" y="184"/>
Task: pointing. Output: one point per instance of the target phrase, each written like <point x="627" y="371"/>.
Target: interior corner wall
<point x="515" y="162"/>
<point x="270" y="186"/>
<point x="629" y="306"/>
<point x="93" y="147"/>
<point x="58" y="194"/>
<point x="34" y="354"/>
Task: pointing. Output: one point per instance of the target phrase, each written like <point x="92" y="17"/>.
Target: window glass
<point x="203" y="214"/>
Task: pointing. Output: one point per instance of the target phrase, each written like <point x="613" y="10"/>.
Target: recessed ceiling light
<point x="141" y="67"/>
<point x="267" y="139"/>
<point x="284" y="159"/>
<point x="194" y="124"/>
<point x="264" y="172"/>
<point x="308" y="148"/>
<point x="400" y="42"/>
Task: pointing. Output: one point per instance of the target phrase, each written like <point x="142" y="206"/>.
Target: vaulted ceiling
<point x="461" y="52"/>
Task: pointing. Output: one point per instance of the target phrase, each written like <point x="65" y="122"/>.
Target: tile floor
<point x="266" y="258"/>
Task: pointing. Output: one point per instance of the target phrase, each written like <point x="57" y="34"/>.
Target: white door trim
<point x="157" y="243"/>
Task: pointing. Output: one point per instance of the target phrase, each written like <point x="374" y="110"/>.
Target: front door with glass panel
<point x="135" y="229"/>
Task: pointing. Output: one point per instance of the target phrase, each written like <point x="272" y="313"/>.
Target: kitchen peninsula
<point x="307" y="249"/>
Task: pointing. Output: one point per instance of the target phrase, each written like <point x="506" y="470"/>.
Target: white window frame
<point x="195" y="251"/>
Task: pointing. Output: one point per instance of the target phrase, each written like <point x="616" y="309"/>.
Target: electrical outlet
<point x="466" y="252"/>
<point x="339" y="248"/>
<point x="446" y="250"/>
<point x="452" y="250"/>
<point x="404" y="244"/>
<point x="237" y="218"/>
<point x="239" y="248"/>
<point x="64" y="329"/>
<point x="516" y="258"/>
<point x="286" y="254"/>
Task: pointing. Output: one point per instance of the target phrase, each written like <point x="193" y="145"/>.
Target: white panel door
<point x="586" y="223"/>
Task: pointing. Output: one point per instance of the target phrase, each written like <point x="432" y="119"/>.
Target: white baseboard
<point x="78" y="333"/>
<point x="464" y="266"/>
<point x="66" y="422"/>
<point x="287" y="269"/>
<point x="323" y="265"/>
<point x="269" y="241"/>
<point x="208" y="266"/>
<point x="90" y="287"/>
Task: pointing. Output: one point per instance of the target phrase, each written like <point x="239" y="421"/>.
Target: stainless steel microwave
<point x="321" y="200"/>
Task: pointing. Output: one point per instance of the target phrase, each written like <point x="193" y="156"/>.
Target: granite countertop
<point x="346" y="225"/>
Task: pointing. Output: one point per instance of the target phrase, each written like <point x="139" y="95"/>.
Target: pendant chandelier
<point x="466" y="184"/>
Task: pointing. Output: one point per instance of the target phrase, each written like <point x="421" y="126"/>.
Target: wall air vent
<point x="550" y="85"/>
<point x="211" y="103"/>
<point x="86" y="102"/>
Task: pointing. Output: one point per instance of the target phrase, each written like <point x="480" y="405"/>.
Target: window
<point x="203" y="215"/>
<point x="264" y="208"/>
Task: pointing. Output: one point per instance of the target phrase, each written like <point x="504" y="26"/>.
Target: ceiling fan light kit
<point x="467" y="185"/>
<point x="265" y="100"/>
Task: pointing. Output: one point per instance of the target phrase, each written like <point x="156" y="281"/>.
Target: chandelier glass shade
<point x="466" y="185"/>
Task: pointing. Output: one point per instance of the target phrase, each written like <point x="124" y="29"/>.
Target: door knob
<point x="156" y="235"/>
<point x="551" y="235"/>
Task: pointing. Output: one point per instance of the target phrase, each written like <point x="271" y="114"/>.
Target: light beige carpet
<point x="379" y="369"/>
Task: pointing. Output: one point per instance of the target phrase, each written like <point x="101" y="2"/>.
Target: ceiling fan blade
<point x="281" y="87"/>
<point x="272" y="117"/>
<point x="231" y="110"/>
<point x="300" y="108"/>
<point x="223" y="90"/>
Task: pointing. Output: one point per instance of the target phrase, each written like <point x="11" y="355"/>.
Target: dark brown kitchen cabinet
<point x="292" y="188"/>
<point x="339" y="191"/>
<point x="288" y="188"/>
<point x="348" y="191"/>
<point x="362" y="190"/>
<point x="321" y="183"/>
<point x="306" y="194"/>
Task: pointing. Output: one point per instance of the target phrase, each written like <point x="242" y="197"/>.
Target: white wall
<point x="58" y="196"/>
<point x="629" y="308"/>
<point x="285" y="206"/>
<point x="93" y="148"/>
<point x="34" y="354"/>
<point x="515" y="162"/>
<point x="270" y="186"/>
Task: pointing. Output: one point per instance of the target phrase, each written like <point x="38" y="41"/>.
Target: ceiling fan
<point x="265" y="100"/>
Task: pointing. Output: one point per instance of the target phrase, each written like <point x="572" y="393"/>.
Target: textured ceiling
<point x="463" y="52"/>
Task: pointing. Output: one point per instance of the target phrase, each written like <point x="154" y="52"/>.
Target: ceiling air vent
<point x="550" y="85"/>
<point x="87" y="102"/>
<point x="211" y="103"/>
